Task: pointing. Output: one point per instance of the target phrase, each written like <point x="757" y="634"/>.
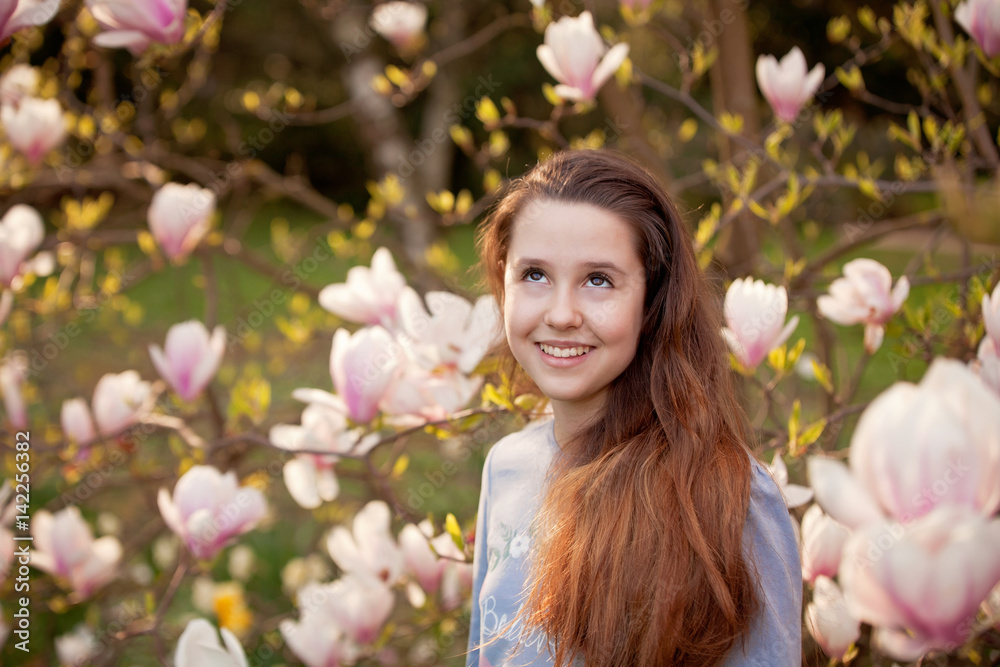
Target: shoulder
<point x="517" y="464"/>
<point x="769" y="539"/>
<point x="531" y="444"/>
<point x="768" y="522"/>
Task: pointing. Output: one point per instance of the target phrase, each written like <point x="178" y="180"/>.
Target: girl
<point x="635" y="527"/>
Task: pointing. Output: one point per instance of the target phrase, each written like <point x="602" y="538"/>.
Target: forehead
<point x="562" y="231"/>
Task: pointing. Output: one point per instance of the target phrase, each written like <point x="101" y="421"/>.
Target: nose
<point x="563" y="310"/>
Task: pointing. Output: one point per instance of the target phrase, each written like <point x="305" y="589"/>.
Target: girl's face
<point x="574" y="288"/>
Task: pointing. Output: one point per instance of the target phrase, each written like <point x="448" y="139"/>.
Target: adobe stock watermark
<point x="262" y="308"/>
<point x="75" y="156"/>
<point x="711" y="30"/>
<point x="942" y="317"/>
<point x="96" y="477"/>
<point x="417" y="495"/>
<point x="56" y="343"/>
<point x="922" y="501"/>
<point x="458" y="112"/>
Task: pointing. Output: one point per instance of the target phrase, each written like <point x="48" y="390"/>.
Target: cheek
<point x="510" y="319"/>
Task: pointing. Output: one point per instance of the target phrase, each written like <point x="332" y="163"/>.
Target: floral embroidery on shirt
<point x="511" y="543"/>
<point x="519" y="545"/>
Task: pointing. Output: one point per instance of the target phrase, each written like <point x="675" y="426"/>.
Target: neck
<point x="572" y="417"/>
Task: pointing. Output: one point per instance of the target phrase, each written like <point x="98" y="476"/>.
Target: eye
<point x="533" y="275"/>
<point x="599" y="280"/>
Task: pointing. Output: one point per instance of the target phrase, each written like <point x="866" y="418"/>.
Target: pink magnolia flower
<point x="77" y="424"/>
<point x="402" y="23"/>
<point x="191" y="358"/>
<point x="921" y="583"/>
<point x="310" y="478"/>
<point x="21" y="232"/>
<point x="428" y="558"/>
<point x="575" y="55"/>
<point x="209" y="508"/>
<point x="34" y="127"/>
<point x="133" y="24"/>
<point x="65" y="547"/>
<point x="981" y="19"/>
<point x="370" y="294"/>
<point x="829" y="619"/>
<point x="19" y="83"/>
<point x="786" y="85"/>
<point x="755" y="318"/>
<point x="418" y="395"/>
<point x="917" y="447"/>
<point x="357" y="605"/>
<point x="822" y="543"/>
<point x="316" y="638"/>
<point x="199" y="645"/>
<point x="864" y="294"/>
<point x="179" y="217"/>
<point x="419" y="557"/>
<point x="19" y="14"/>
<point x="456" y="585"/>
<point x="362" y="366"/>
<point x="455" y="333"/>
<point x="13" y="371"/>
<point x="119" y="401"/>
<point x="368" y="550"/>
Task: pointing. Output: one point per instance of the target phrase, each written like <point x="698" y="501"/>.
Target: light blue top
<point x="513" y="479"/>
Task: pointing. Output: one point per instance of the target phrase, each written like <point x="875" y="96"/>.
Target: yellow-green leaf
<point x="866" y="16"/>
<point x="851" y="78"/>
<point x="823" y="375"/>
<point x="811" y="434"/>
<point x="838" y="29"/>
<point x="453" y="529"/>
<point x="487" y="112"/>
<point x="400" y="466"/>
<point x="794" y="421"/>
<point x="492" y="396"/>
<point x="795" y="353"/>
<point x="687" y="130"/>
<point x="731" y="123"/>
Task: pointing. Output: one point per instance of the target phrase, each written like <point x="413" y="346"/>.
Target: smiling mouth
<point x="563" y="352"/>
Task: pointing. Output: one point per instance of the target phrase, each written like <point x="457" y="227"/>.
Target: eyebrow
<point x="604" y="265"/>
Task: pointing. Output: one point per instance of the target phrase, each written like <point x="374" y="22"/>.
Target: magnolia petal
<point x="874" y="335"/>
<point x="612" y="60"/>
<point x="796" y="495"/>
<point x="840" y="495"/>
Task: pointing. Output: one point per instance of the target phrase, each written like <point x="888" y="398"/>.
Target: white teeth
<point x="563" y="352"/>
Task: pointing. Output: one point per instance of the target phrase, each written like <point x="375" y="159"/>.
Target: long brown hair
<point x="640" y="559"/>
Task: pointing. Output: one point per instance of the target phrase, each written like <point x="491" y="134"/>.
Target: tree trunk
<point x="733" y="90"/>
